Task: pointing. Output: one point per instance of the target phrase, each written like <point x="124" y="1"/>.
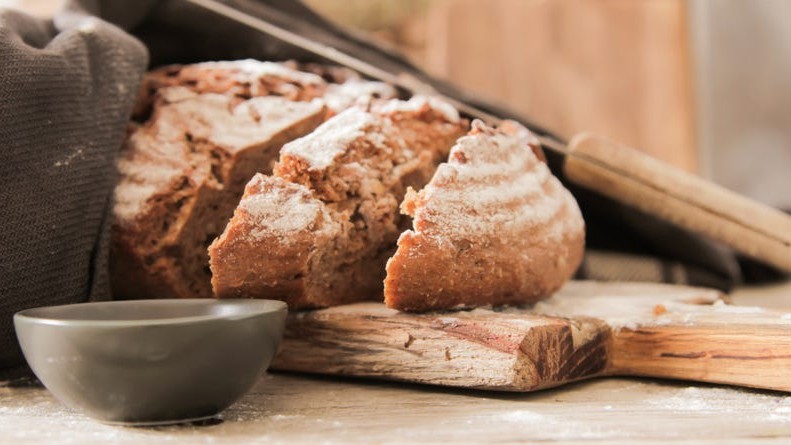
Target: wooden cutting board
<point x="587" y="330"/>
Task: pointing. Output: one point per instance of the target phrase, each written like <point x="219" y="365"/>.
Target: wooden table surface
<point x="287" y="408"/>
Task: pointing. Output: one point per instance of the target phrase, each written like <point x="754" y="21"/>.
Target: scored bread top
<point x="371" y="151"/>
<point x="493" y="184"/>
<point x="323" y="146"/>
<point x="493" y="226"/>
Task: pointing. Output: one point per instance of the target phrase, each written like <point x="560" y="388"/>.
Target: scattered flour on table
<point x="285" y="417"/>
<point x="553" y="427"/>
<point x="772" y="407"/>
<point x="520" y="416"/>
<point x="723" y="307"/>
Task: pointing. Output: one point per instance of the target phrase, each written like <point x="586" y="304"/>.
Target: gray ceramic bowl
<point x="151" y="361"/>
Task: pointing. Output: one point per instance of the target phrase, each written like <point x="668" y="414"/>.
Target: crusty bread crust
<point x="265" y="249"/>
<point x="492" y="227"/>
<point x="204" y="130"/>
<point x="343" y="184"/>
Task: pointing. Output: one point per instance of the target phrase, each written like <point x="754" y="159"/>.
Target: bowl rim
<point x="256" y="307"/>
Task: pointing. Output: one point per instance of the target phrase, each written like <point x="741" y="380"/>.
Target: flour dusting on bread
<point x="493" y="226"/>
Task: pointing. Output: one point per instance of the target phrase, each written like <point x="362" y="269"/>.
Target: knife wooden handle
<point x="638" y="180"/>
<point x="745" y="346"/>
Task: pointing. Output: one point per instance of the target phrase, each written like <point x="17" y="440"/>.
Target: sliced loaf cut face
<point x="353" y="171"/>
<point x="492" y="227"/>
<point x="209" y="128"/>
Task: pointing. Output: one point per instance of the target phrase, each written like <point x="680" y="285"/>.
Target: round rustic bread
<point x="492" y="227"/>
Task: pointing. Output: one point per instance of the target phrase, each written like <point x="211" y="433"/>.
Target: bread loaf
<point x="319" y="231"/>
<point x="204" y="131"/>
<point x="492" y="227"/>
<point x="321" y="227"/>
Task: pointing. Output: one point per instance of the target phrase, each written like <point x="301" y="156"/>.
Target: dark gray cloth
<point x="66" y="90"/>
<point x="65" y="93"/>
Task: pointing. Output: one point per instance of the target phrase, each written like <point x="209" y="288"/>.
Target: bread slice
<point x="208" y="129"/>
<point x="319" y="232"/>
<point x="492" y="227"/>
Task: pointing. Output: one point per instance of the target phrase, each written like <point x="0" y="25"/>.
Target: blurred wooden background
<point x="620" y="68"/>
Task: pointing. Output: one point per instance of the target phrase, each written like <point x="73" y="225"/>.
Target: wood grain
<point x="746" y="349"/>
<point x="587" y="330"/>
<point x="476" y="349"/>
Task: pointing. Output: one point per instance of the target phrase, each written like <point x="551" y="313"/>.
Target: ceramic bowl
<point x="151" y="361"/>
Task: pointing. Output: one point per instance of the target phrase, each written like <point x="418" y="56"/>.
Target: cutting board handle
<point x="669" y="193"/>
<point x="746" y="346"/>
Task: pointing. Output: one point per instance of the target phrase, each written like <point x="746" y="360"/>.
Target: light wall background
<point x="742" y="54"/>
